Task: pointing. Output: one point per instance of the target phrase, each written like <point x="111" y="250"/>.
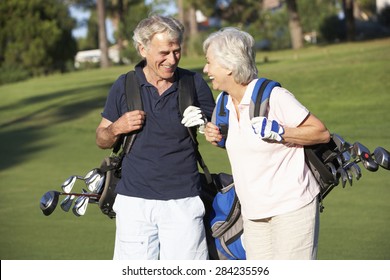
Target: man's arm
<point x="108" y="133"/>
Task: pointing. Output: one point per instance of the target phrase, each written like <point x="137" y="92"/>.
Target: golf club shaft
<point x="81" y="194"/>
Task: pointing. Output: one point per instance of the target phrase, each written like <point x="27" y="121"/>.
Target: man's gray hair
<point x="155" y="24"/>
<point x="234" y="50"/>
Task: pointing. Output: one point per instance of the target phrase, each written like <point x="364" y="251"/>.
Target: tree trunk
<point x="119" y="27"/>
<point x="192" y="21"/>
<point x="180" y="8"/>
<point x="294" y="25"/>
<point x="103" y="43"/>
<point x="349" y="19"/>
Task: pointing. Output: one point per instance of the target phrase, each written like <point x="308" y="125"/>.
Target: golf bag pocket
<point x="226" y="224"/>
<point x="111" y="167"/>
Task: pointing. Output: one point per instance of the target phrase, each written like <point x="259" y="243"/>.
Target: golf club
<point x="332" y="169"/>
<point x="341" y="144"/>
<point x="343" y="176"/>
<point x="355" y="169"/>
<point x="363" y="154"/>
<point x="69" y="183"/>
<point x="67" y="202"/>
<point x="49" y="200"/>
<point x="80" y="205"/>
<point x="67" y="186"/>
<point x="382" y="156"/>
<point x="95" y="182"/>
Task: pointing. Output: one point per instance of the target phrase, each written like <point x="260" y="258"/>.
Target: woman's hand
<point x="212" y="133"/>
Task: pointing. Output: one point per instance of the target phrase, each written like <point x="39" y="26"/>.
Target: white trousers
<point x="291" y="236"/>
<point x="158" y="229"/>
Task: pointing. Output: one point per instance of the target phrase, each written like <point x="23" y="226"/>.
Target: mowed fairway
<point x="47" y="133"/>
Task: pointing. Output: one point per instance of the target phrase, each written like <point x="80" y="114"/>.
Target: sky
<point x="80" y="15"/>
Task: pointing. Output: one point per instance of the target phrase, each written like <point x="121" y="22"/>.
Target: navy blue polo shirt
<point x="161" y="163"/>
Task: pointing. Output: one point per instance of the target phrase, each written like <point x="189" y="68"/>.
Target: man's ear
<point x="142" y="50"/>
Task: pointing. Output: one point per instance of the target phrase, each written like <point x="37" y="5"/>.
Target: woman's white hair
<point x="234" y="50"/>
<point x="156" y="24"/>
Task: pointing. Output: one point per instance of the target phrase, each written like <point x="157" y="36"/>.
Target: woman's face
<point x="216" y="73"/>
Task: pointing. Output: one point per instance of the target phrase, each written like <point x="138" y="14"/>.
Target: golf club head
<point x="80" y="206"/>
<point x="382" y="156"/>
<point x="49" y="202"/>
<point x="341" y="144"/>
<point x="67" y="186"/>
<point x="355" y="169"/>
<point x="332" y="169"/>
<point x="95" y="182"/>
<point x="349" y="177"/>
<point x="364" y="155"/>
<point x="346" y="156"/>
<point x="89" y="174"/>
<point x="67" y="203"/>
<point x="339" y="160"/>
<point x="343" y="176"/>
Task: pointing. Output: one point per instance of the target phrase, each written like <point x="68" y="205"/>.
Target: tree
<point x="294" y="24"/>
<point x="125" y="15"/>
<point x="103" y="42"/>
<point x="36" y="36"/>
<point x="240" y="12"/>
<point x="348" y="6"/>
<point x="187" y="15"/>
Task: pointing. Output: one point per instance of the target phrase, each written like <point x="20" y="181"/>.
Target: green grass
<point x="47" y="133"/>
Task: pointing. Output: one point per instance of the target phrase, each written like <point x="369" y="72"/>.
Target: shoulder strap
<point x="220" y="117"/>
<point x="260" y="97"/>
<point x="134" y="102"/>
<point x="186" y="98"/>
<point x="186" y="93"/>
<point x="186" y="89"/>
<point x="257" y="107"/>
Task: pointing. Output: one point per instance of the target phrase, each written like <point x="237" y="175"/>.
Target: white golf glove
<point x="267" y="129"/>
<point x="193" y="116"/>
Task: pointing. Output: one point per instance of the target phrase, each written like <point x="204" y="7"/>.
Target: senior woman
<point x="277" y="191"/>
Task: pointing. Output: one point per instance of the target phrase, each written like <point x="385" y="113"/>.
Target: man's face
<point x="162" y="56"/>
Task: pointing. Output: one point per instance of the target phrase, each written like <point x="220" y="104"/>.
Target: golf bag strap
<point x="186" y="98"/>
<point x="261" y="100"/>
<point x="134" y="102"/>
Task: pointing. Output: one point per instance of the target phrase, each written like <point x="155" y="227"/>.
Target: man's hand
<point x="267" y="129"/>
<point x="193" y="116"/>
<point x="130" y="121"/>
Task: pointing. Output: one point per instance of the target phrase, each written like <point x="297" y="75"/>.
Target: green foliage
<point x="12" y="73"/>
<point x="36" y="35"/>
<point x="195" y="44"/>
<point x="47" y="133"/>
<point x="333" y="29"/>
<point x="133" y="15"/>
<point x="312" y="13"/>
<point x="368" y="6"/>
<point x="272" y="27"/>
<point x="91" y="41"/>
<point x="241" y="12"/>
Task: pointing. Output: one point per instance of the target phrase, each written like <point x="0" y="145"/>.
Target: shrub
<point x="12" y="73"/>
